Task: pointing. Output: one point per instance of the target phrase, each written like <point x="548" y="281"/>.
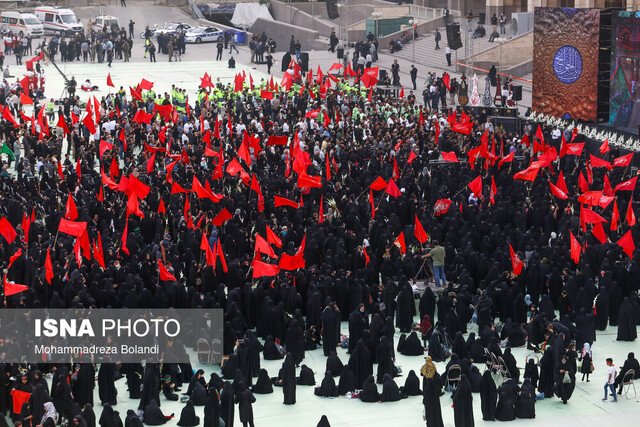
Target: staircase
<point x="426" y="54"/>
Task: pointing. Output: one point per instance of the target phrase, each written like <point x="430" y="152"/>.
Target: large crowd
<point x="301" y="205"/>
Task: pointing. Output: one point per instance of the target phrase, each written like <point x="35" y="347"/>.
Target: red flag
<point x="378" y="184"/>
<point x="73" y="228"/>
<point x="19" y="398"/>
<point x="366" y="256"/>
<point x="70" y="209"/>
<point x="177" y="188"/>
<point x="588" y="216"/>
<point x="308" y="181"/>
<point x="14" y="257"/>
<point x="320" y="210"/>
<point x="419" y="232"/>
<point x="161" y="209"/>
<point x="558" y="192"/>
<point x="283" y="201"/>
<point x="401" y="92"/>
<point x="590" y="197"/>
<point x="261" y="269"/>
<point x="574" y="149"/>
<point x="399" y="242"/>
<point x="515" y="261"/>
<point x="528" y="174"/>
<point x="220" y="254"/>
<point x="109" y="81"/>
<point x="328" y="167"/>
<point x="604" y="148"/>
<point x="145" y="85"/>
<point x="441" y="207"/>
<point x="506" y="159"/>
<point x="630" y="216"/>
<point x="262" y="247"/>
<point x="597" y="162"/>
<point x="476" y="186"/>
<point x="392" y="189"/>
<point x="48" y="267"/>
<point x="396" y="171"/>
<point x="598" y="232"/>
<point x="79" y="169"/>
<point x="25" y="100"/>
<point x="88" y="122"/>
<point x="291" y="262"/>
<point x="450" y="157"/>
<point x="6" y="114"/>
<point x="412" y="157"/>
<point x="561" y="184"/>
<point x="243" y="152"/>
<point x="539" y="134"/>
<point x="623" y="161"/>
<point x="576" y="249"/>
<point x="62" y="124"/>
<point x="615" y="216"/>
<point x="627" y="244"/>
<point x="164" y="273"/>
<point x="98" y="252"/>
<point x="151" y="163"/>
<point x="582" y="183"/>
<point x="628" y="185"/>
<point x="373" y="206"/>
<point x="464" y="128"/>
<point x="273" y="238"/>
<point x="11" y="288"/>
<point x="277" y="140"/>
<point x="447" y="81"/>
<point x="493" y="191"/>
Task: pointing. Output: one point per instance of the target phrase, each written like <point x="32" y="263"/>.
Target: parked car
<point x="111" y="22"/>
<point x="204" y="34"/>
<point x="58" y="20"/>
<point x="21" y="23"/>
<point x="173" y="28"/>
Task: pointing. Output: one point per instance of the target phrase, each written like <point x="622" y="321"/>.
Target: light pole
<point x="413" y="39"/>
<point x="376" y="16"/>
<point x="501" y="41"/>
<point x="313" y="16"/>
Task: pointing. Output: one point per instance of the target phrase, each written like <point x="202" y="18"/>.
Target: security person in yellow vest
<point x="50" y="109"/>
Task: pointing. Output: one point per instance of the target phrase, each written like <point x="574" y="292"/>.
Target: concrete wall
<point x="291" y="15"/>
<point x="281" y="33"/>
<point x="423" y="28"/>
<point x="515" y="51"/>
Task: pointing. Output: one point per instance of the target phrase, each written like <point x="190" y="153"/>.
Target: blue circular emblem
<point x="567" y="64"/>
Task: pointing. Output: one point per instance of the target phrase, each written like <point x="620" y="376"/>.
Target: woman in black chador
<point x="106" y="384"/>
<point x="288" y="377"/>
<point x="565" y="380"/>
<point x="462" y="404"/>
<point x="188" y="416"/>
<point x="488" y="396"/>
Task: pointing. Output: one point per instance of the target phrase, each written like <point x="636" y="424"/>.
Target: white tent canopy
<point x="247" y="13"/>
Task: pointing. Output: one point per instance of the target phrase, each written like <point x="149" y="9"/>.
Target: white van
<point x="21" y="23"/>
<point x="57" y="19"/>
<point x="108" y="21"/>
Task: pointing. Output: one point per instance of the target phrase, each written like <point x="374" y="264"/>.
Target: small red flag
<point x="392" y="189"/>
<point x="515" y="261"/>
<point x="109" y="81"/>
<point x="575" y="249"/>
<point x="419" y="232"/>
<point x="399" y="242"/>
<point x="604" y="148"/>
<point x="320" y="210"/>
<point x="220" y="254"/>
<point x="623" y="161"/>
<point x="70" y="209"/>
<point x="628" y="185"/>
<point x="261" y="269"/>
<point x="615" y="216"/>
<point x="630" y="216"/>
<point x="11" y="288"/>
<point x="597" y="162"/>
<point x="558" y="192"/>
<point x="48" y="267"/>
<point x="378" y="184"/>
<point x="161" y="209"/>
<point x="442" y="207"/>
<point x="627" y="244"/>
<point x="476" y="186"/>
<point x="412" y="157"/>
<point x="598" y="232"/>
<point x="165" y="275"/>
<point x="373" y="206"/>
<point x="450" y="157"/>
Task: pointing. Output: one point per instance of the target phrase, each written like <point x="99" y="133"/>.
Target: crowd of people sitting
<point x="298" y="210"/>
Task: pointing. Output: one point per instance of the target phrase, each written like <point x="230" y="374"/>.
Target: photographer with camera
<point x="437" y="255"/>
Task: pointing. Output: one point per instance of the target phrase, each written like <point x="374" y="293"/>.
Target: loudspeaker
<point x="453" y="36"/>
<point x="510" y="112"/>
<point x="304" y="61"/>
<point x="340" y="53"/>
<point x="286" y="59"/>
<point x="481" y="18"/>
<point x="517" y="93"/>
<point x="332" y="9"/>
<point x="382" y="75"/>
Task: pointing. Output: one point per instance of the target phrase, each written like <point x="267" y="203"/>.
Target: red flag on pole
<point x="109" y="81"/>
<point x="70" y="209"/>
<point x="615" y="216"/>
<point x="373" y="206"/>
<point x="598" y="232"/>
<point x="261" y="269"/>
<point x="575" y="248"/>
<point x="515" y="261"/>
<point x="320" y="210"/>
<point x="627" y="244"/>
<point x="476" y="186"/>
<point x="7" y="230"/>
<point x="419" y="232"/>
<point x="164" y="273"/>
<point x="399" y="242"/>
<point x="630" y="216"/>
<point x="48" y="267"/>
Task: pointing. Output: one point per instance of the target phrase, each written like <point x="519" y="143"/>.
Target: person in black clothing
<point x="438" y="37"/>
<point x="414" y="75"/>
<point x="395" y="72"/>
<point x="219" y="48"/>
<point x="131" y="25"/>
<point x="269" y="61"/>
<point x="629" y="364"/>
<point x="232" y="62"/>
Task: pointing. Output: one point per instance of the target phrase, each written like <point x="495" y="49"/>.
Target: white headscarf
<point x="49" y="412"/>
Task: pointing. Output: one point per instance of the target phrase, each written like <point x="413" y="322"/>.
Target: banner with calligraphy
<point x="624" y="99"/>
<point x="565" y="62"/>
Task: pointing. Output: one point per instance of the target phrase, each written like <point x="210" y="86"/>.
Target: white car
<point x="174" y="29"/>
<point x="204" y="34"/>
